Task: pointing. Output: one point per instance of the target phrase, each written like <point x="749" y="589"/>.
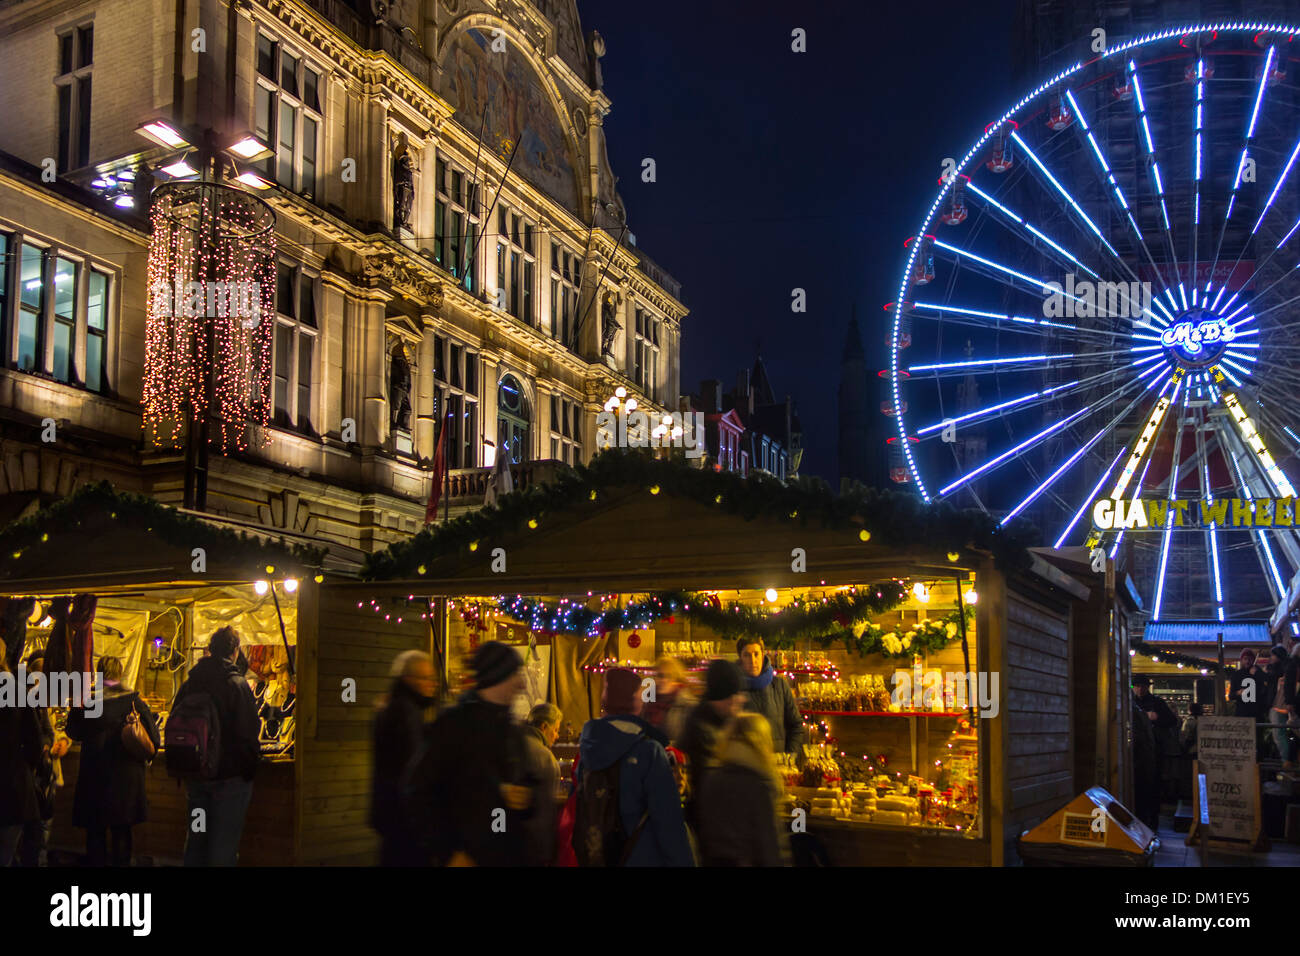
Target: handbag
<point x="135" y="738"/>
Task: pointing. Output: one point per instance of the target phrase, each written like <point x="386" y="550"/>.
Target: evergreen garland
<point x="893" y="518"/>
<point x="98" y="506"/>
<point x="843" y="617"/>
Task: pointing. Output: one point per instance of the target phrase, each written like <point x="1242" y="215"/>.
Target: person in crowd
<point x="49" y="778"/>
<point x="20" y="756"/>
<point x="1279" y="710"/>
<point x="1187" y="735"/>
<point x="1146" y="764"/>
<point x="724" y="696"/>
<point x="649" y="806"/>
<point x="467" y="792"/>
<point x="1244" y="686"/>
<point x="397" y="733"/>
<point x="110" y="795"/>
<point x="770" y="695"/>
<point x="737" y="808"/>
<point x="1164" y="724"/>
<point x="541" y="731"/>
<point x="1289" y="680"/>
<point x="673" y="699"/>
<point x="223" y="799"/>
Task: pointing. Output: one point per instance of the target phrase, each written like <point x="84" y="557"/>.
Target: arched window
<point x="512" y="420"/>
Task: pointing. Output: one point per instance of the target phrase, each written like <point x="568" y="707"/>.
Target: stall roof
<point x="1206" y="632"/>
<point x="102" y="540"/>
<point x="636" y="523"/>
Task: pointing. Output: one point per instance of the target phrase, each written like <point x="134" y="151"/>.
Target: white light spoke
<point x="994" y="462"/>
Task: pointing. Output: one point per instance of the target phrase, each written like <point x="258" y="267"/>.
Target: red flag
<point x="439" y="472"/>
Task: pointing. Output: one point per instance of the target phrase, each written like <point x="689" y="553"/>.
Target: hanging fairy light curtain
<point x="210" y="313"/>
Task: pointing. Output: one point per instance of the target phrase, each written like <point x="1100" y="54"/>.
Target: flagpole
<point x="446" y="472"/>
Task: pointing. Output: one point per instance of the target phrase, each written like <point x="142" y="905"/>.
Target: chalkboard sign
<point x="1226" y="756"/>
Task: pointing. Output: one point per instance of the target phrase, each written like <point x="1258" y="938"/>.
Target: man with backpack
<point x="629" y="811"/>
<point x="211" y="742"/>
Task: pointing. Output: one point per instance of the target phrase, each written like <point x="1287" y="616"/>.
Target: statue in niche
<point x="403" y="185"/>
<point x="609" y="324"/>
<point x="399" y="391"/>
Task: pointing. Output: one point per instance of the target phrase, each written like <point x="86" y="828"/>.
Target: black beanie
<point x="493" y="663"/>
<point x="722" y="680"/>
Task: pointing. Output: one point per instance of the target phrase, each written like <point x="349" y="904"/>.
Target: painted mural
<point x="475" y="78"/>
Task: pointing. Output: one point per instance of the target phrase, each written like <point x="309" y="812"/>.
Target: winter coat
<point x="737" y="818"/>
<point x="398" y="731"/>
<point x="453" y="788"/>
<point x="110" y="782"/>
<point x="1146" y="765"/>
<point x="669" y="713"/>
<point x="700" y="739"/>
<point x="646" y="787"/>
<point x="771" y="696"/>
<point x="20" y="756"/>
<point x="236" y="711"/>
<point x="545" y="769"/>
<point x="1247" y="708"/>
<point x="1165" y="725"/>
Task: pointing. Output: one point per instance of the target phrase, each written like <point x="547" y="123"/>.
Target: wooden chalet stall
<point x="163" y="581"/>
<point x="627" y="534"/>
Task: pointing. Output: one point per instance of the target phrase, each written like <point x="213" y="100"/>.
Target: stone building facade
<point x="451" y="248"/>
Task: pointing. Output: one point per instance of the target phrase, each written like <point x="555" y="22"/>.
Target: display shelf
<point x="883" y="713"/>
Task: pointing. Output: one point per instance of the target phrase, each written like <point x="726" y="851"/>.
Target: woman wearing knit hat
<point x="652" y="831"/>
<point x="468" y="792"/>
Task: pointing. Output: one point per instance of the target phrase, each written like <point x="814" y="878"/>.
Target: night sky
<point x="779" y="170"/>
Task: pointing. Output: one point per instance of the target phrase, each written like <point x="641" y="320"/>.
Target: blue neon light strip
<point x="1088" y="501"/>
<point x="1014" y="451"/>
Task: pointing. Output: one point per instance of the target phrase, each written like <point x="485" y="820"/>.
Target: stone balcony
<point x="469" y="485"/>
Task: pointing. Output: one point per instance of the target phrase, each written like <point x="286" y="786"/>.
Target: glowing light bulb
<point x="261" y="587"/>
<point x="971" y="596"/>
<point x="290" y="585"/>
<point x="921" y="592"/>
<point x="770" y="594"/>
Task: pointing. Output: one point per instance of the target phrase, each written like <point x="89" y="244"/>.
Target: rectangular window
<point x="73" y="82"/>
<point x="283" y="362"/>
<point x="564" y="295"/>
<point x="645" y="352"/>
<point x="96" y="330"/>
<point x="516" y="265"/>
<point x="287" y="116"/>
<point x="455" y="223"/>
<point x="65" y="317"/>
<point x="565" y="435"/>
<point x="31" y="306"/>
<point x="294" y="347"/>
<point x="305" y="345"/>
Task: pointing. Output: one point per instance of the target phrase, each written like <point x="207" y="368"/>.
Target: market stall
<point x="150" y="585"/>
<point x="628" y="559"/>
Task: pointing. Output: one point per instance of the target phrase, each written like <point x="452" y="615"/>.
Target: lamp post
<point x="207" y="349"/>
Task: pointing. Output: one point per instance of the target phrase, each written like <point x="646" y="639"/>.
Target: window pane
<point x="83" y="121"/>
<point x="94" y="362"/>
<point x="469" y="256"/>
<point x="577" y="422"/>
<point x="65" y="126"/>
<point x="528" y="237"/>
<point x="471" y="373"/>
<point x="440" y="176"/>
<point x="307" y="300"/>
<point x="457" y="181"/>
<point x="62" y="351"/>
<point x="555" y="448"/>
<point x="311" y="88"/>
<point x="501" y="223"/>
<point x="33" y="291"/>
<point x="289" y="73"/>
<point x="266" y="57"/>
<point x="65" y="288"/>
<point x="528" y="292"/>
<point x="440" y="358"/>
<point x="454" y="364"/>
<point x="284" y="291"/>
<point x="555" y="413"/>
<point x="86" y="41"/>
<point x="65" y="54"/>
<point x="284" y="170"/>
<point x="439" y="217"/>
<point x="556" y="312"/>
<point x="262" y="114"/>
<point x="455" y="247"/>
<point x="305" y="343"/>
<point x="308" y="155"/>
<point x="283" y="359"/>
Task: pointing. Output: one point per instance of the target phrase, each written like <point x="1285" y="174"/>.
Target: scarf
<point x="764" y="678"/>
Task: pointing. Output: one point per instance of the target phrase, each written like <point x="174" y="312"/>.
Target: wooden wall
<point x="337" y="641"/>
<point x="1039" y="759"/>
<point x="268" y="828"/>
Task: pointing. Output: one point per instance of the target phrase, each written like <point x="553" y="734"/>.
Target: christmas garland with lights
<point x="843" y="617"/>
<point x="1173" y="657"/>
<point x="893" y="518"/>
<point x="99" y="505"/>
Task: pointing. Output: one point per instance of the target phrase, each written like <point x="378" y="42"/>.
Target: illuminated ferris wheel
<point x="1103" y="302"/>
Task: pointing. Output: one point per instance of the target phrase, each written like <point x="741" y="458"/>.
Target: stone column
<point x="425" y="416"/>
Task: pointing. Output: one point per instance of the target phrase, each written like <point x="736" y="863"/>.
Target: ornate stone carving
<point x="609" y="322"/>
<point x="402" y="278"/>
<point x="403" y="184"/>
